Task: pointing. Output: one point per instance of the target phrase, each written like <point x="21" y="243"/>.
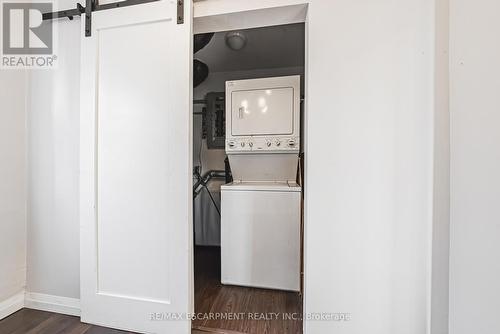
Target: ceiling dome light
<point x="236" y="40"/>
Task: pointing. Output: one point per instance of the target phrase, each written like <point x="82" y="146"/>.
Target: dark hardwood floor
<point x="213" y="298"/>
<point x="28" y="321"/>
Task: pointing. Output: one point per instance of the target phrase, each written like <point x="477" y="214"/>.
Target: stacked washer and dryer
<point x="261" y="208"/>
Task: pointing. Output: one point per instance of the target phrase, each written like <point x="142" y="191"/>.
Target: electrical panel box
<point x="215" y="120"/>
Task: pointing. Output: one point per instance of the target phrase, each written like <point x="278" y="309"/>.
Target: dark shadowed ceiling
<point x="269" y="47"/>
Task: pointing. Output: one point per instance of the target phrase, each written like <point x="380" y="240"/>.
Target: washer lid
<point x="262" y="186"/>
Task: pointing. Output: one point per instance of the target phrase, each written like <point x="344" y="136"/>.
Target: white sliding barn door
<point x="135" y="181"/>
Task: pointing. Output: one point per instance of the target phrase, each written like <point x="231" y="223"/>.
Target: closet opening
<point x="248" y="181"/>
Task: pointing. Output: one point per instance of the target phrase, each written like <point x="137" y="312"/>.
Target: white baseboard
<point x="11" y="305"/>
<point x="51" y="303"/>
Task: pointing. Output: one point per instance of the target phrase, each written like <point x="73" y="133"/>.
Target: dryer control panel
<point x="259" y="144"/>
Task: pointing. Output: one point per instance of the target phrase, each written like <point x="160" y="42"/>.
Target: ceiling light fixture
<point x="236" y="40"/>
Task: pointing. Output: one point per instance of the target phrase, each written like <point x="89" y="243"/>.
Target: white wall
<point x="12" y="183"/>
<point x="369" y="165"/>
<point x="53" y="126"/>
<point x="475" y="166"/>
<point x="441" y="204"/>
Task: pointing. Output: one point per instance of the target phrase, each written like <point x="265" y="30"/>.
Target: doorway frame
<point x="226" y="15"/>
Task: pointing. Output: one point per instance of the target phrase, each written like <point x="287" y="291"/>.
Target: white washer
<point x="260" y="235"/>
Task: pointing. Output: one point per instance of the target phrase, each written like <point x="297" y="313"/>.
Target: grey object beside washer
<point x="216" y="120"/>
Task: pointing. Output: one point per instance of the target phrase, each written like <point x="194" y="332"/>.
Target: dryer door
<point x="262" y="112"/>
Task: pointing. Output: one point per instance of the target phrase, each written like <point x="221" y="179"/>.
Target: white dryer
<point x="261" y="209"/>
